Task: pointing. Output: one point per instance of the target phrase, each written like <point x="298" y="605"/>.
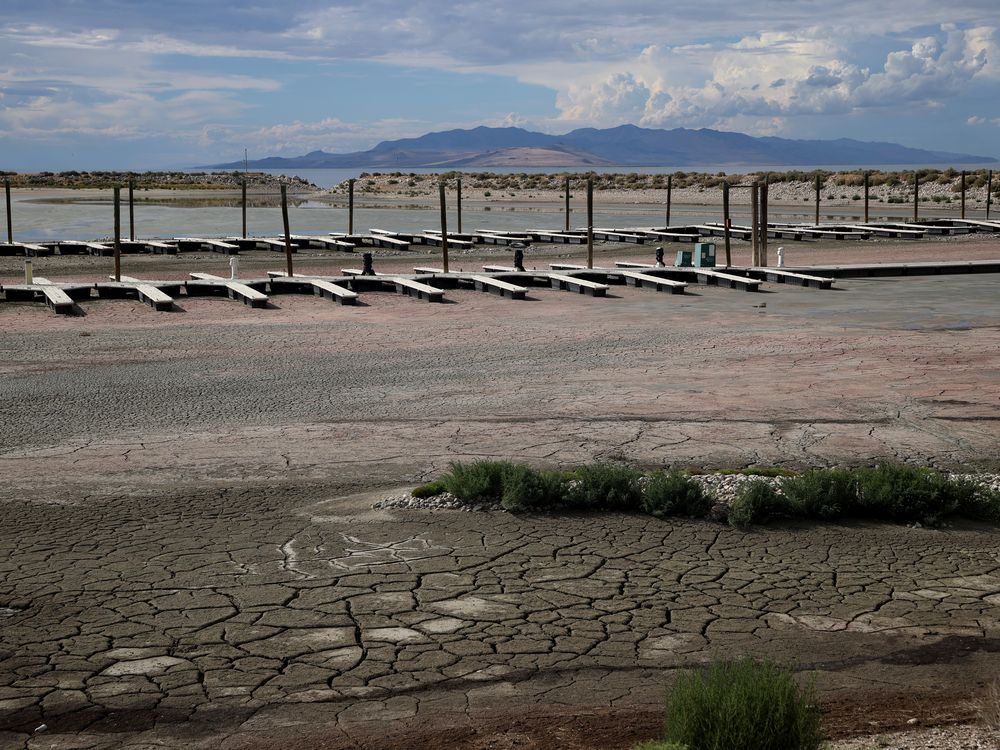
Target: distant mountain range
<point x="626" y="145"/>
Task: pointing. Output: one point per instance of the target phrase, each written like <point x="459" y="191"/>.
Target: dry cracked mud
<point x="189" y="557"/>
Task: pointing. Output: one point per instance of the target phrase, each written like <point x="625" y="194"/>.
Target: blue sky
<point x="137" y="85"/>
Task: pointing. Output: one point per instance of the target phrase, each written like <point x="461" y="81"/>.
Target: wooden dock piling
<point x="243" y="205"/>
<point x="963" y="193"/>
<point x="755" y="226"/>
<point x="867" y="184"/>
<point x="444" y="228"/>
<point x="350" y="206"/>
<point x="989" y="195"/>
<point x="288" y="234"/>
<point x="726" y="221"/>
<point x="818" y="188"/>
<point x="458" y="199"/>
<point x="670" y="189"/>
<point x="10" y="223"/>
<point x="567" y="203"/>
<point x="131" y="210"/>
<point x="590" y="222"/>
<point x="763" y="222"/>
<point x="916" y="195"/>
<point x="118" y="235"/>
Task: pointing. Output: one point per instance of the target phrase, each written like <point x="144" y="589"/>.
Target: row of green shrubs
<point x="521" y="488"/>
<point x="888" y="492"/>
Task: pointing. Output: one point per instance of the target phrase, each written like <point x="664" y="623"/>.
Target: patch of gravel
<point x="959" y="737"/>
<point x="989" y="481"/>
<point x="724" y="487"/>
<point x="444" y="501"/>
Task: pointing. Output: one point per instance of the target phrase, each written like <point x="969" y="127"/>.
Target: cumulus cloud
<point x="122" y="68"/>
<point x="771" y="76"/>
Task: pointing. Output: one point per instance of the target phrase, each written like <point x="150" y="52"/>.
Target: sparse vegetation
<point x="756" y="501"/>
<point x="680" y="180"/>
<point x="741" y="704"/>
<point x="430" y="489"/>
<point x="156" y="180"/>
<point x="674" y="494"/>
<point x="988" y="706"/>
<point x="479" y="480"/>
<point x="889" y="492"/>
<point x="605" y="487"/>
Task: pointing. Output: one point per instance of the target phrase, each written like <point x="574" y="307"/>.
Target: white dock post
<point x="781" y="257"/>
<point x="234" y="267"/>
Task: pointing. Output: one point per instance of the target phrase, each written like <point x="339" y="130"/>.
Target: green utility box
<point x="704" y="255"/>
<point x="683" y="259"/>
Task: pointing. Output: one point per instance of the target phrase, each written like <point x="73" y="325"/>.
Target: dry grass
<point x="988" y="706"/>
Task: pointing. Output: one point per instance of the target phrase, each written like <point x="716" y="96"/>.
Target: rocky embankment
<point x="156" y="180"/>
<point x="937" y="187"/>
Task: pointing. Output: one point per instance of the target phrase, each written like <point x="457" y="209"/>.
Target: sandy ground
<point x="189" y="558"/>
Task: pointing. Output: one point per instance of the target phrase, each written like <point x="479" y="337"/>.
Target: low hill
<point x="626" y="145"/>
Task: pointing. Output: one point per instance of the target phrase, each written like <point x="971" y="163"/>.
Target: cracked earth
<point x="189" y="557"/>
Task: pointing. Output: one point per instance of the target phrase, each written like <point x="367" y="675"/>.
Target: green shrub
<point x="526" y="489"/>
<point x="742" y="704"/>
<point x="430" y="489"/>
<point x="605" y="486"/>
<point x="756" y="501"/>
<point x="982" y="505"/>
<point x="479" y="480"/>
<point x="674" y="494"/>
<point x="821" y="493"/>
<point x="894" y="492"/>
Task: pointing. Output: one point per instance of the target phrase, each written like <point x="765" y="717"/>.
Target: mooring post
<point x="726" y="221"/>
<point x="961" y="190"/>
<point x="29" y="277"/>
<point x="10" y="223"/>
<point x="670" y="189"/>
<point x="444" y="229"/>
<point x="350" y="206"/>
<point x="288" y="234"/>
<point x="118" y="235"/>
<point x="916" y="195"/>
<point x="590" y="222"/>
<point x="763" y="222"/>
<point x="131" y="209"/>
<point x="567" y="203"/>
<point x="518" y="259"/>
<point x="459" y="204"/>
<point x="754" y="226"/>
<point x="818" y="188"/>
<point x="989" y="196"/>
<point x="867" y="181"/>
<point x="243" y="204"/>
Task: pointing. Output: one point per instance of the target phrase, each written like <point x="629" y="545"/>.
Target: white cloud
<point x="766" y="78"/>
<point x="110" y="67"/>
